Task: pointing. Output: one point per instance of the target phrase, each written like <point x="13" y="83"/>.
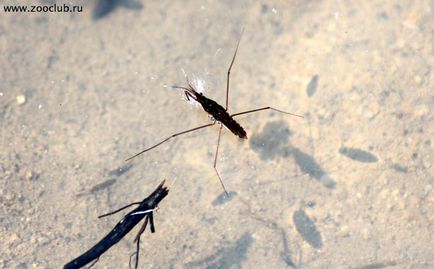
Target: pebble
<point x="428" y="188"/>
<point x="366" y="234"/>
<point x="11" y="239"/>
<point x="409" y="215"/>
<point x="9" y="198"/>
<point x="33" y="240"/>
<point x="371" y="110"/>
<point x="421" y="110"/>
<point x="43" y="240"/>
<point x="414" y="201"/>
<point x="344" y="231"/>
<point x="315" y="132"/>
<point x="21" y="99"/>
<point x="30" y="175"/>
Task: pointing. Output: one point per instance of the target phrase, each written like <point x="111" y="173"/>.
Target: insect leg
<point x="170" y="137"/>
<point x="229" y="71"/>
<point x="265" y="108"/>
<point x="94" y="262"/>
<point x="142" y="229"/>
<point x="137" y="240"/>
<point x="137" y="253"/>
<point x="118" y="210"/>
<point x="215" y="161"/>
<point x="186" y="96"/>
<point x="129" y="262"/>
<point x="151" y="223"/>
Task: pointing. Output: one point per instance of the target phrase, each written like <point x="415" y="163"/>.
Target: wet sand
<point x="348" y="186"/>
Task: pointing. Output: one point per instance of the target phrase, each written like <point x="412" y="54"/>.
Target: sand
<point x="350" y="185"/>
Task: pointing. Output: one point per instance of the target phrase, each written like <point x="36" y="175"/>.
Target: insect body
<point x="219" y="114"/>
<point x="215" y="110"/>
<point x="127" y="223"/>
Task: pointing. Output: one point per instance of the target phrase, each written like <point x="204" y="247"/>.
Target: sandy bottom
<point x="350" y="185"/>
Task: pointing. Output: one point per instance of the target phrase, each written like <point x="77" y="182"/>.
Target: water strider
<point x="218" y="113"/>
<point x="144" y="210"/>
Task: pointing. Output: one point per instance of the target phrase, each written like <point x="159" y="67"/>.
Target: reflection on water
<point x="227" y="257"/>
<point x="104" y="7"/>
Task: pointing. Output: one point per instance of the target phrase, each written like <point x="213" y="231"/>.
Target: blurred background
<point x="348" y="186"/>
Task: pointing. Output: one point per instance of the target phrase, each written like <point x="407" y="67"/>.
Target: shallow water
<point x="348" y="186"/>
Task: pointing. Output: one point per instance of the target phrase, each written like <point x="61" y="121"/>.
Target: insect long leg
<point x="142" y="229"/>
<point x="129" y="262"/>
<point x="118" y="210"/>
<point x="94" y="262"/>
<point x="265" y="108"/>
<point x="215" y="161"/>
<point x="137" y="254"/>
<point x="170" y="137"/>
<point x="229" y="71"/>
<point x="137" y="240"/>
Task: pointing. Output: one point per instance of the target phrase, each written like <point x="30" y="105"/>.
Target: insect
<point x="218" y="113"/>
<point x="124" y="226"/>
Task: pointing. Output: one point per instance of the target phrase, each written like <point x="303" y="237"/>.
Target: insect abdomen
<point x="221" y="115"/>
<point x="234" y="126"/>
